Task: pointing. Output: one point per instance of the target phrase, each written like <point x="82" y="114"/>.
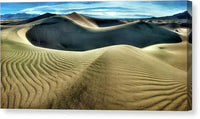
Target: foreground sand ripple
<point x="115" y="77"/>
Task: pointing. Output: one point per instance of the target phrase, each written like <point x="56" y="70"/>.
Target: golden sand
<point x="115" y="77"/>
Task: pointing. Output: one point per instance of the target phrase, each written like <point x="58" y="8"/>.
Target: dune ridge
<point x="90" y="21"/>
<point x="79" y="19"/>
<point x="65" y="35"/>
<point x="21" y="22"/>
<point x="113" y="77"/>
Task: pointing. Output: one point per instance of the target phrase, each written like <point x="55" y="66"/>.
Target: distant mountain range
<point x="184" y="15"/>
<point x="28" y="20"/>
<point x="18" y="16"/>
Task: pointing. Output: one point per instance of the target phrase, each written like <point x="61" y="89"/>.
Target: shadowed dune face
<point x="104" y="23"/>
<point x="190" y="38"/>
<point x="61" y="33"/>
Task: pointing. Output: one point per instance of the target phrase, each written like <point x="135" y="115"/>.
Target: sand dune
<point x="178" y="55"/>
<point x="79" y="19"/>
<point x="64" y="34"/>
<point x="94" y="22"/>
<point x="114" y="77"/>
<point x="21" y="22"/>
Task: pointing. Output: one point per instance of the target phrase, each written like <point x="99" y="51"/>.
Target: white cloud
<point x="132" y="8"/>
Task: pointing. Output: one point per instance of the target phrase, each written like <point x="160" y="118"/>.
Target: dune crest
<point x="79" y="19"/>
<point x="92" y="22"/>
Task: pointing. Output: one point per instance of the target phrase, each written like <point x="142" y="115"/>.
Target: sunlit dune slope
<point x="81" y="19"/>
<point x="66" y="35"/>
<point x="178" y="55"/>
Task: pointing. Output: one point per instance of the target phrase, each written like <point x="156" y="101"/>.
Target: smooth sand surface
<point x="156" y="77"/>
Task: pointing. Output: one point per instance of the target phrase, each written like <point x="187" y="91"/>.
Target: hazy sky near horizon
<point x="100" y="9"/>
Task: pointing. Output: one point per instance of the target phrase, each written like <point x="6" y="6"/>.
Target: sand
<point x="156" y="77"/>
<point x="63" y="34"/>
<point x="90" y="21"/>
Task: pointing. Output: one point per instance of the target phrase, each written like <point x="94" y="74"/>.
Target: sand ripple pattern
<point x="115" y="77"/>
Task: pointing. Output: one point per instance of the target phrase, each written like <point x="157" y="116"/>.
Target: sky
<point x="99" y="9"/>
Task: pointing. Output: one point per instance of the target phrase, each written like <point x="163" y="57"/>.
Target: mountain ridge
<point x="18" y="16"/>
<point x="182" y="15"/>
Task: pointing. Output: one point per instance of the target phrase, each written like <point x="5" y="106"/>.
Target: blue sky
<point x="100" y="9"/>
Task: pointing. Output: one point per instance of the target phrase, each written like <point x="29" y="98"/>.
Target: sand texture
<point x="78" y="62"/>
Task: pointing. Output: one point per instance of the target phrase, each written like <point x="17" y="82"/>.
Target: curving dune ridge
<point x="94" y="22"/>
<point x="114" y="77"/>
<point x="66" y="35"/>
